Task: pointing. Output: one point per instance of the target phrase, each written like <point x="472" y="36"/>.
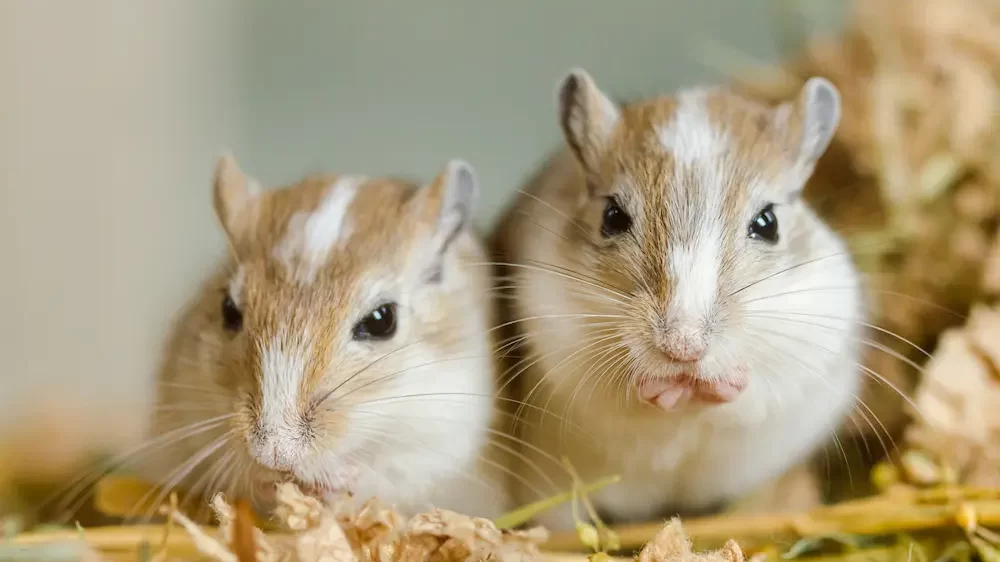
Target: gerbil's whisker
<point x="529" y="361"/>
<point x="864" y="341"/>
<point x="388" y="376"/>
<point x="492" y="440"/>
<point x="368" y="366"/>
<point x="553" y="316"/>
<point x="621" y="370"/>
<point x="608" y="361"/>
<point x="865" y="369"/>
<point x="511" y="343"/>
<point x="205" y="485"/>
<point x="598" y="359"/>
<point x="575" y="276"/>
<point x="172" y="479"/>
<point x="777" y="315"/>
<point x="783" y="271"/>
<point x="382" y="436"/>
<point x="582" y="353"/>
<point x="885" y="292"/>
<point x="595" y="337"/>
<point x="554" y="209"/>
<point x="77" y="486"/>
<point x="813" y="370"/>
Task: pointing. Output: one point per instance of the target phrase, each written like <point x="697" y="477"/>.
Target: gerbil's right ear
<point x="587" y="117"/>
<point x="817" y="109"/>
<point x="448" y="206"/>
<point x="233" y="194"/>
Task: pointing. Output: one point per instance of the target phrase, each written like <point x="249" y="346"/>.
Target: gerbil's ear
<point x="587" y="117"/>
<point x="448" y="207"/>
<point x="232" y="195"/>
<point x="818" y="108"/>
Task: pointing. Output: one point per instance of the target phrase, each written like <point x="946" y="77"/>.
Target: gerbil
<point x="343" y="345"/>
<point x="662" y="268"/>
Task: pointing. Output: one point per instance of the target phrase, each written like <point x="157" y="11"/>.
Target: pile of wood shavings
<point x="371" y="534"/>
<point x="912" y="179"/>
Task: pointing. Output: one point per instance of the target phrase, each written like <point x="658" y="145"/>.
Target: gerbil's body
<point x="343" y="345"/>
<point x="673" y="291"/>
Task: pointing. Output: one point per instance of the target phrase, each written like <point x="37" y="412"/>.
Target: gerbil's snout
<point x="681" y="342"/>
<point x="688" y="374"/>
<point x="277" y="446"/>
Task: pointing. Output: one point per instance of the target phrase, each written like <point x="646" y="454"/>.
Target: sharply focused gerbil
<point x="667" y="280"/>
<point x="343" y="344"/>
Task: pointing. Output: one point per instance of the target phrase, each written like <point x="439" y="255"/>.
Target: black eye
<point x="232" y="318"/>
<point x="380" y="324"/>
<point x="765" y="226"/>
<point x="616" y="220"/>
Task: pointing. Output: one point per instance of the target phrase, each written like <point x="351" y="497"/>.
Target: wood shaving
<point x="672" y="544"/>
<point x="336" y="533"/>
<point x="957" y="406"/>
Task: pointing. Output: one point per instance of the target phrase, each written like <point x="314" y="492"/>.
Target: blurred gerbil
<point x="343" y="345"/>
<point x="669" y="283"/>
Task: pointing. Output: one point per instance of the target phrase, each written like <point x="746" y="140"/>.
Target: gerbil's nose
<point x="682" y="345"/>
<point x="277" y="450"/>
<point x="277" y="457"/>
<point x="282" y="459"/>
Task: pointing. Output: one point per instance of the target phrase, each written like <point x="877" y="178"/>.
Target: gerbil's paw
<point x="335" y="485"/>
<point x="667" y="393"/>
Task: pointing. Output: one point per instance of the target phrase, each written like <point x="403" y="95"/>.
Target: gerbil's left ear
<point x="587" y="117"/>
<point x="448" y="207"/>
<point x="233" y="193"/>
<point x="819" y="109"/>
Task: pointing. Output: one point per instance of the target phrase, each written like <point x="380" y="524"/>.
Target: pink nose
<point x="276" y="454"/>
<point x="280" y="460"/>
<point x="682" y="346"/>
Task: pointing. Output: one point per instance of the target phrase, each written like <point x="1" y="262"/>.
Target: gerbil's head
<point x="347" y="309"/>
<point x="691" y="201"/>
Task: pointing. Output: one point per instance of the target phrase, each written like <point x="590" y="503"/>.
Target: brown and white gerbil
<point x="663" y="266"/>
<point x="344" y="344"/>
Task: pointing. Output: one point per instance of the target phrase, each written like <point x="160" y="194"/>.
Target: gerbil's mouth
<point x="266" y="488"/>
<point x="317" y="489"/>
<point x="329" y="483"/>
<point x="668" y="392"/>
